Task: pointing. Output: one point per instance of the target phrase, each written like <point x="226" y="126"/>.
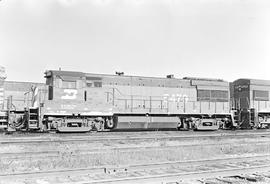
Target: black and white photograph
<point x="134" y="91"/>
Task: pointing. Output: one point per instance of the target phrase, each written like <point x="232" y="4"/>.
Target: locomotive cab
<point x="65" y="96"/>
<point x="76" y="102"/>
<point x="251" y="99"/>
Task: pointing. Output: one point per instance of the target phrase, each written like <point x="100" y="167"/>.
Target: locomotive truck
<point x="79" y="102"/>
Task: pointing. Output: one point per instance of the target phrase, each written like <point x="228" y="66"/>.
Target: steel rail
<point x="175" y="176"/>
<point x="74" y="153"/>
<point x="129" y="138"/>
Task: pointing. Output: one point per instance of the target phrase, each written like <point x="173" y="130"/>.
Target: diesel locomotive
<point x="80" y="102"/>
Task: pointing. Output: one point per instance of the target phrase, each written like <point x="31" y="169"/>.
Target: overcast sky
<point x="226" y="39"/>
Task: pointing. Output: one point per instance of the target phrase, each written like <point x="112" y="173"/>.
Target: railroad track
<point x="145" y="173"/>
<point x="138" y="148"/>
<point x="35" y="140"/>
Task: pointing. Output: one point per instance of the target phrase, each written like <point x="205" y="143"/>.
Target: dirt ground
<point x="68" y="155"/>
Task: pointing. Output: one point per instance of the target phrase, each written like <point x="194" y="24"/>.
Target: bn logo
<point x="70" y="94"/>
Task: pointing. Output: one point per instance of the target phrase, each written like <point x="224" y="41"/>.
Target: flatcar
<point x="75" y="101"/>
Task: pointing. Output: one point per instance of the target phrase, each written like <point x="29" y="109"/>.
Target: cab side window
<point x="69" y="84"/>
<point x="50" y="95"/>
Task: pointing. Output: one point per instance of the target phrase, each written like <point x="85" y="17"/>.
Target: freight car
<point x="76" y="101"/>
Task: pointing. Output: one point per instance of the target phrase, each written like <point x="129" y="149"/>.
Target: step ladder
<point x="3" y="120"/>
<point x="33" y="118"/>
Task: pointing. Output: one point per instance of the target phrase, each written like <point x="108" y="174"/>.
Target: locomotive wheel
<point x="110" y="123"/>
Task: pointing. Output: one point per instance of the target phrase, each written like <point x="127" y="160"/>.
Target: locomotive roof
<point x="169" y="81"/>
<point x="252" y="82"/>
<point x="81" y="74"/>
